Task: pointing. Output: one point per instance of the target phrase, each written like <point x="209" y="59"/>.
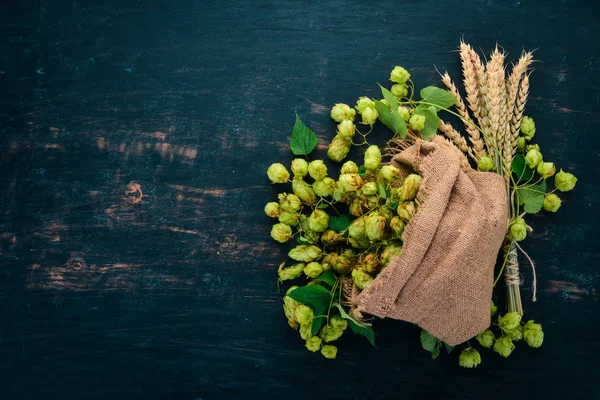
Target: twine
<point x="511" y="274"/>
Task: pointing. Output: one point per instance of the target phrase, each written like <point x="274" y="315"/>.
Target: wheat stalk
<point x="512" y="90"/>
<point x="495" y="99"/>
<point x="474" y="136"/>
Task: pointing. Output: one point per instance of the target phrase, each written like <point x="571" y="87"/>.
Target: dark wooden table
<point x="135" y="258"/>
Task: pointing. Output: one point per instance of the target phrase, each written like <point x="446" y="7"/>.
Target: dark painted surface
<point x="135" y="257"/>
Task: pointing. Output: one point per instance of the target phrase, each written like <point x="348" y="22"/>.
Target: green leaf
<point x="431" y="343"/>
<point x="303" y="240"/>
<point x="432" y="121"/>
<point x="303" y="139"/>
<point x="531" y="197"/>
<point x="391" y="119"/>
<point x="337" y="195"/>
<point x="393" y="205"/>
<point x="439" y="97"/>
<point x="316" y="297"/>
<point x="357" y="327"/>
<point x="340" y="223"/>
<point x="328" y="277"/>
<point x="389" y="97"/>
<point x="521" y="169"/>
<point x="448" y="347"/>
<point x="382" y="191"/>
<point x="323" y="206"/>
<point x="362" y="171"/>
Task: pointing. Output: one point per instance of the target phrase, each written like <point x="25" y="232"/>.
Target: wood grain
<point x="135" y="257"/>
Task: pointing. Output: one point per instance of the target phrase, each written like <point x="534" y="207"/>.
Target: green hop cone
<point x="399" y="75"/>
<point x="281" y="232"/>
<point x="521" y="143"/>
<point x="390" y="173"/>
<point x="341" y="112"/>
<point x="361" y="278"/>
<point x="305" y="331"/>
<point x="272" y="209"/>
<point x="533" y="147"/>
<point x="331" y="334"/>
<point x="417" y="122"/>
<point x="510" y="321"/>
<point x="361" y="243"/>
<point x="324" y="187"/>
<point x="504" y="346"/>
<point x="515" y="334"/>
<point x="369" y="116"/>
<point x="406" y="210"/>
<point x="338" y="148"/>
<point x="305" y="253"/>
<point x="564" y="181"/>
<point x="387" y="213"/>
<point x="346" y="129"/>
<point x="288" y="218"/>
<point x="552" y="202"/>
<point x="313" y="344"/>
<point x="343" y="265"/>
<point x="404" y="113"/>
<point x="384" y="101"/>
<point x="309" y="236"/>
<point x="329" y="351"/>
<point x="299" y="167"/>
<point x="369" y="262"/>
<point x="518" y="229"/>
<point x="317" y="170"/>
<point x="349" y="167"/>
<point x="329" y="260"/>
<point x="397" y="226"/>
<point x="286" y="274"/>
<point x="318" y="221"/>
<point x="304" y="315"/>
<point x="486" y="164"/>
<point x="399" y="90"/>
<point x="337" y="322"/>
<point x="375" y="227"/>
<point x="313" y="269"/>
<point x="289" y="308"/>
<point x="486" y="338"/>
<point x="363" y="103"/>
<point x="469" y="358"/>
<point x="533" y="158"/>
<point x="533" y="334"/>
<point x="527" y="128"/>
<point x="410" y="187"/>
<point x="493" y="308"/>
<point x="391" y="250"/>
<point x="331" y="238"/>
<point x="304" y="191"/>
<point x="372" y="157"/>
<point x="357" y="228"/>
<point x="369" y="189"/>
<point x="289" y="202"/>
<point x="350" y="182"/>
<point x="277" y="173"/>
<point x="546" y="169"/>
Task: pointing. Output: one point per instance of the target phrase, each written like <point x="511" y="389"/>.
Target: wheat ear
<point x="474" y="136"/>
<point x="456" y="138"/>
<point x="517" y="114"/>
<point x="512" y="90"/>
<point x="471" y="79"/>
<point x="496" y="98"/>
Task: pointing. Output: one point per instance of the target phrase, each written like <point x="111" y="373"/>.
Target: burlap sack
<point x="442" y="280"/>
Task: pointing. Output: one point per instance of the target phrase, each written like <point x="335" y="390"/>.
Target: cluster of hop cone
<point x="352" y="227"/>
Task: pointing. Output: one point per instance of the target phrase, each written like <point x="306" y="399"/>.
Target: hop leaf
<point x="303" y="139"/>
